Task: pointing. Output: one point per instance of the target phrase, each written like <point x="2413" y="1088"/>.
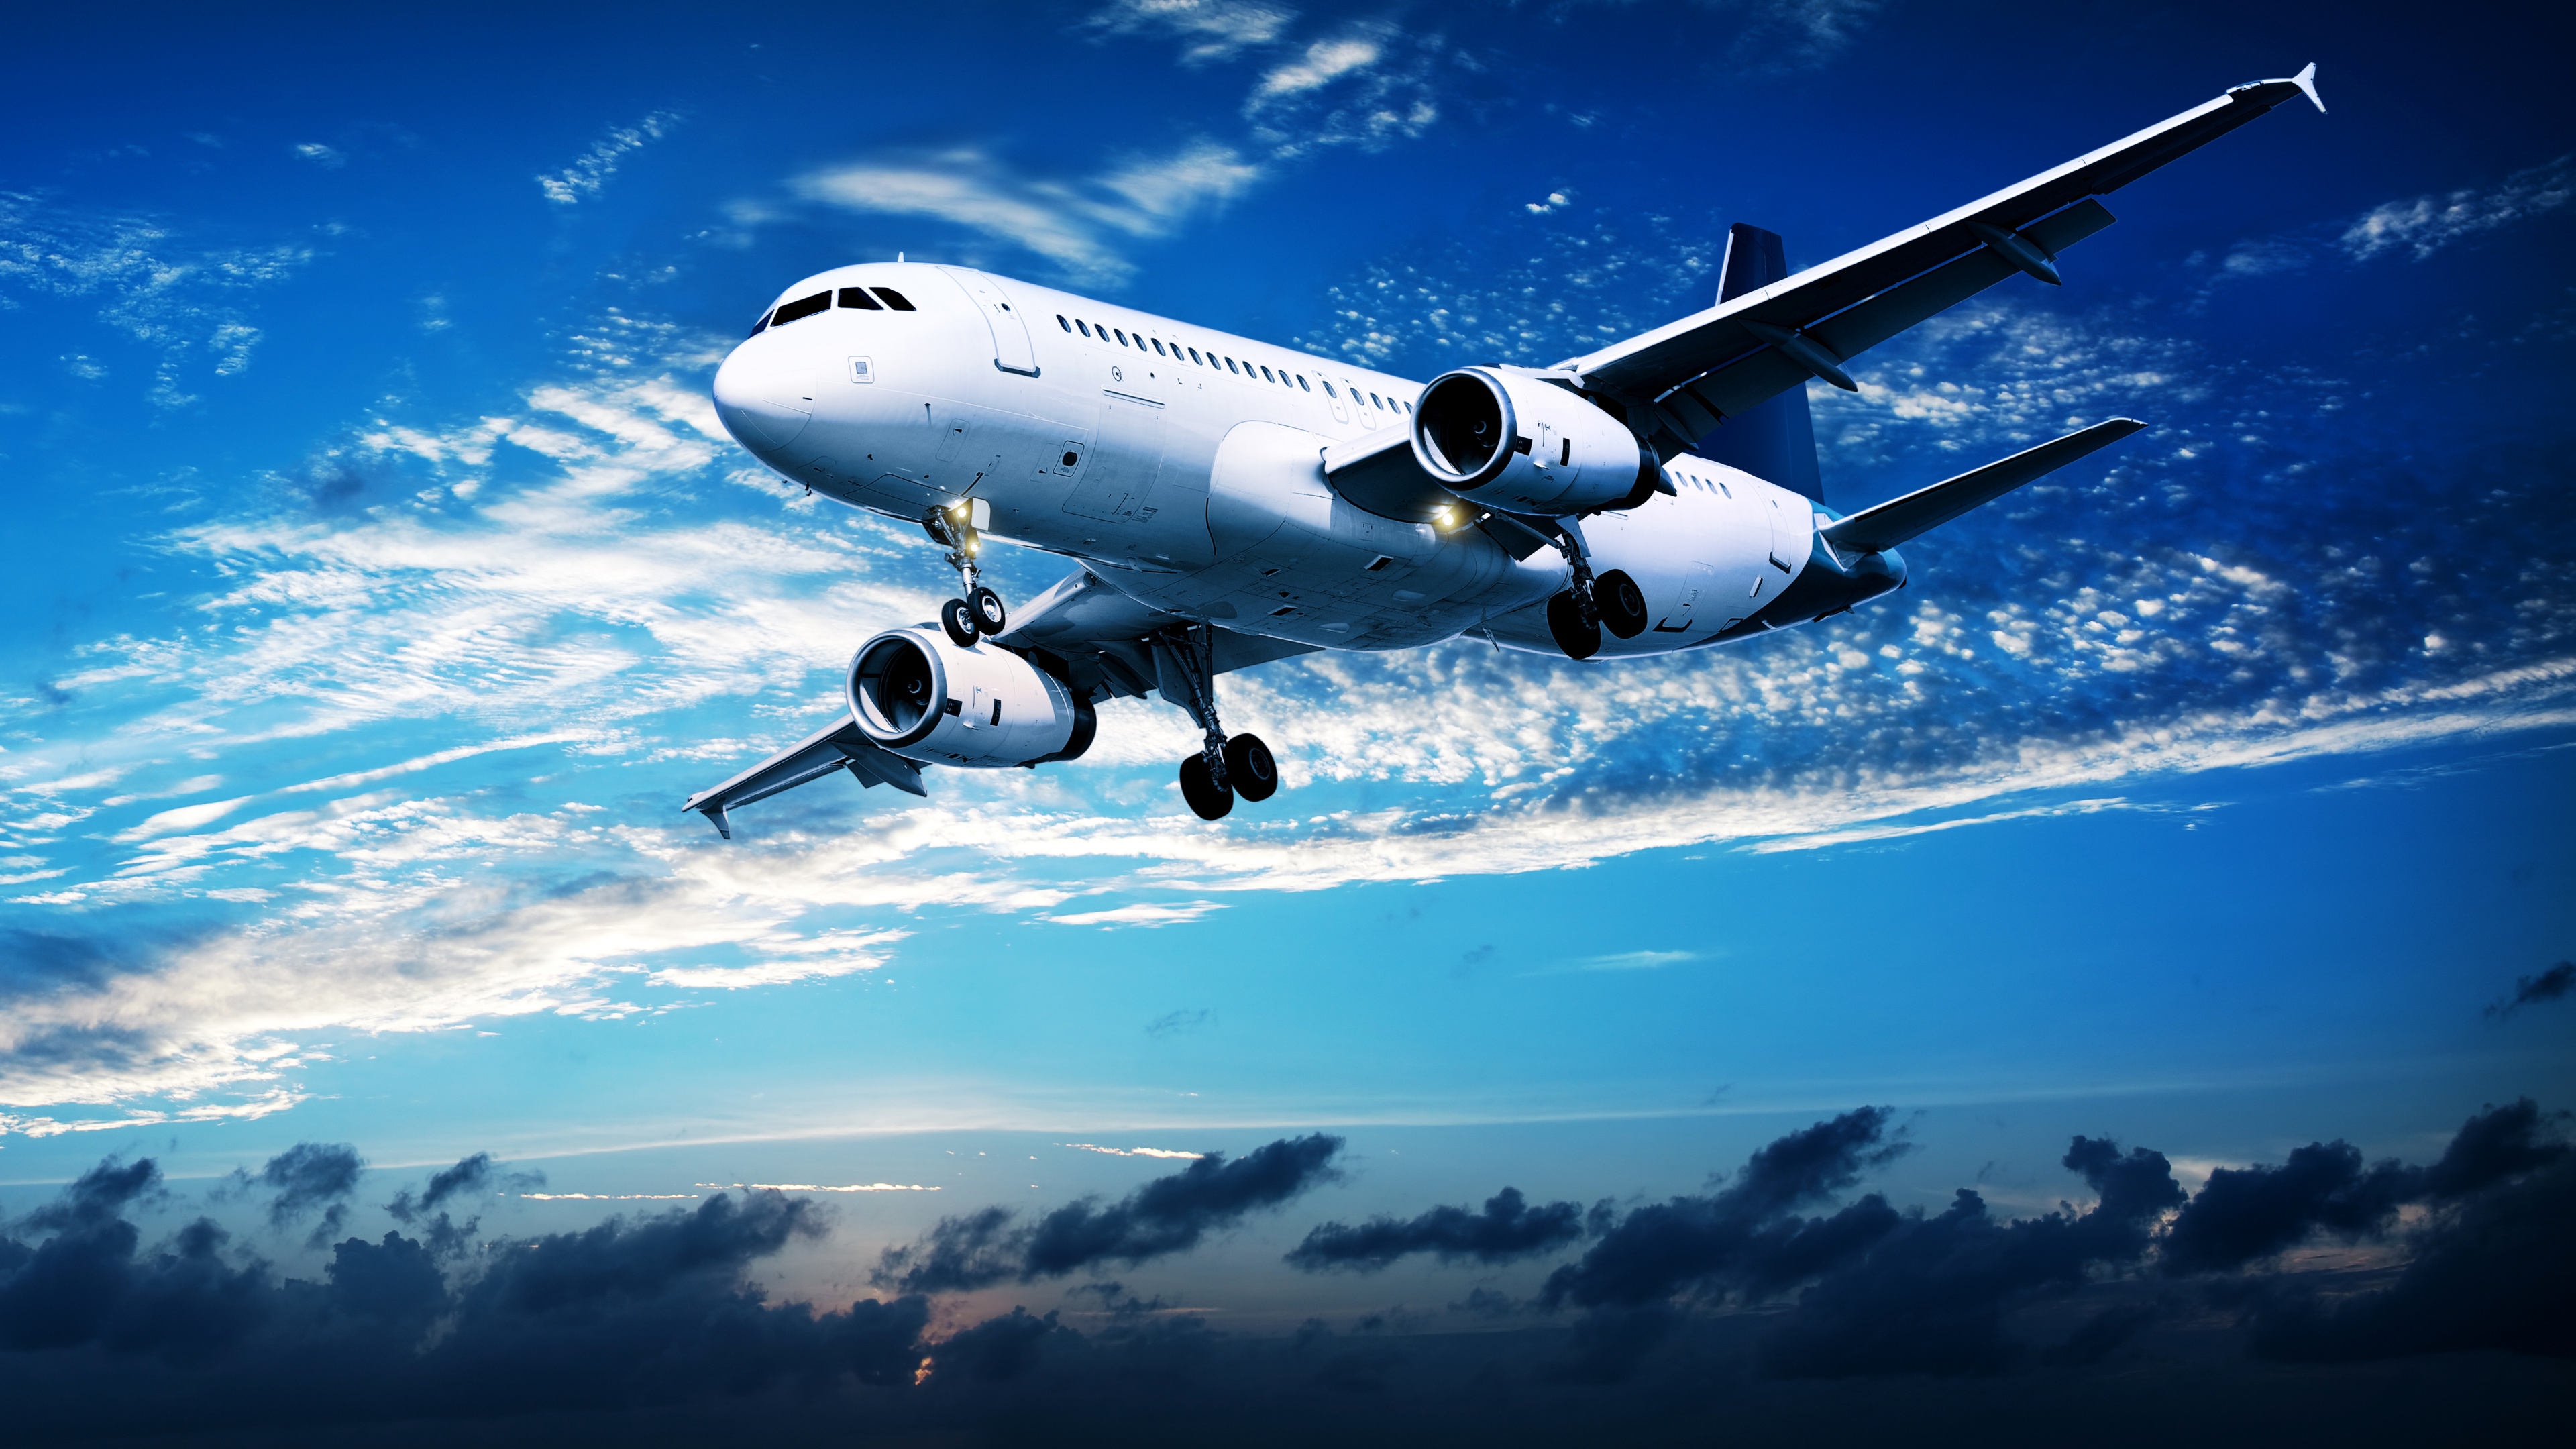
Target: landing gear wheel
<point x="1621" y="602"/>
<point x="958" y="618"/>
<point x="1208" y="799"/>
<point x="990" y="616"/>
<point x="1565" y="621"/>
<point x="1249" y="768"/>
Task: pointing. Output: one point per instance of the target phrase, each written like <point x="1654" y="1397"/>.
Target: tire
<point x="1621" y="602"/>
<point x="1565" y="621"/>
<point x="990" y="616"/>
<point x="1249" y="768"/>
<point x="959" y="621"/>
<point x="1208" y="799"/>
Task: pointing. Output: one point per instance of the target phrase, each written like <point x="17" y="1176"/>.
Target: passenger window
<point x="1194" y="357"/>
<point x="1060" y="322"/>
<point x="895" y="299"/>
<point x="802" y="308"/>
<point x="1301" y="383"/>
<point x="1266" y="377"/>
<point x="1230" y="367"/>
<point x="1374" y="398"/>
<point x="1328" y="391"/>
<point x="1085" y="326"/>
<point x="1158" y="344"/>
<point x="858" y="297"/>
<point x="1122" y="337"/>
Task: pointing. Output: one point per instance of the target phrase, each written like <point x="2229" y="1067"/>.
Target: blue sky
<point x="385" y="582"/>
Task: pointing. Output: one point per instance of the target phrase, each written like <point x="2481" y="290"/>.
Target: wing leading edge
<point x="1693" y="373"/>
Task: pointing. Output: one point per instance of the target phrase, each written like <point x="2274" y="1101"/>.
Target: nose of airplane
<point x="765" y="400"/>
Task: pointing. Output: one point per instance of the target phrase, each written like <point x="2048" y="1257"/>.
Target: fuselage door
<point x="1012" y="351"/>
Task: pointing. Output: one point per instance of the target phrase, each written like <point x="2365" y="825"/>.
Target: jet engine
<point x="914" y="691"/>
<point x="1517" y="444"/>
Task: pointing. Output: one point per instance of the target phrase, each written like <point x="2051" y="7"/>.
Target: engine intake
<point x="1525" y="446"/>
<point x="914" y="691"/>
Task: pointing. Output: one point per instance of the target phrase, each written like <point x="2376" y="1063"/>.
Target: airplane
<point x="1230" y="502"/>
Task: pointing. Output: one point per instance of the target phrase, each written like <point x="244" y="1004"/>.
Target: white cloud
<point x="158" y="288"/>
<point x="1325" y="61"/>
<point x="1634" y="960"/>
<point x="1076" y="224"/>
<point x="1209" y="30"/>
<point x="328" y="157"/>
<point x="1141" y="913"/>
<point x="2426" y="224"/>
<point x="820" y="1187"/>
<point x="588" y="175"/>
<point x="1132" y="1151"/>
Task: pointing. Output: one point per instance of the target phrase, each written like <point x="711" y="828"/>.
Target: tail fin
<point x="1774" y="440"/>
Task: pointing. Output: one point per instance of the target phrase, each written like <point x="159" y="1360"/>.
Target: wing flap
<point x="1875" y="530"/>
<point x="1757" y="376"/>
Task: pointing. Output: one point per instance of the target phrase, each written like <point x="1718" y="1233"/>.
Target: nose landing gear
<point x="980" y="614"/>
<point x="1223" y="768"/>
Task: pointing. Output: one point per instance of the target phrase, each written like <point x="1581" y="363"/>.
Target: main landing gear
<point x="1223" y="768"/>
<point x="979" y="615"/>
<point x="1577" y="615"/>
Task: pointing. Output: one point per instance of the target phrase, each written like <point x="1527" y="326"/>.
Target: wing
<point x="1104" y="642"/>
<point x="1689" y="375"/>
<point x="835" y="747"/>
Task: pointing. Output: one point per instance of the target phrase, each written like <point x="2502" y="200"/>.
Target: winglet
<point x="2306" y="81"/>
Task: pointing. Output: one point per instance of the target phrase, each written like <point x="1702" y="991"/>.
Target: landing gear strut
<point x="958" y="529"/>
<point x="1223" y="768"/>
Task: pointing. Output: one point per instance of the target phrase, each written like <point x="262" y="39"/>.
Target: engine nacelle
<point x="1523" y="446"/>
<point x="915" y="692"/>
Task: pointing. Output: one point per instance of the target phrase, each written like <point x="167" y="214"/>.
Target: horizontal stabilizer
<point x="830" y="750"/>
<point x="1874" y="530"/>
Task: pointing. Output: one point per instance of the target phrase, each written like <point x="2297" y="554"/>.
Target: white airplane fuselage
<point x="1182" y="465"/>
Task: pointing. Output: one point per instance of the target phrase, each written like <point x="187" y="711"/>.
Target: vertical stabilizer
<point x="1774" y="440"/>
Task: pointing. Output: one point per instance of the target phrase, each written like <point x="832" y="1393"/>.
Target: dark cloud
<point x="2549" y="985"/>
<point x="1931" y="1294"/>
<point x="2254" y="1212"/>
<point x="1508" y="1228"/>
<point x="1740" y="1235"/>
<point x="470" y="1175"/>
<point x="637" y="1322"/>
<point x="2245" y="1214"/>
<point x="1167" y="1215"/>
<point x="2495" y="1271"/>
<point x="310" y="1176"/>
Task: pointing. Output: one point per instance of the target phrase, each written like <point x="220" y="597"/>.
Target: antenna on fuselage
<point x="898" y="256"/>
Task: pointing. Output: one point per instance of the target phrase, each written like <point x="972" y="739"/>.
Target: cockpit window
<point x="858" y="297"/>
<point x="801" y="308"/>
<point x="895" y="299"/>
<point x="760" y="326"/>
